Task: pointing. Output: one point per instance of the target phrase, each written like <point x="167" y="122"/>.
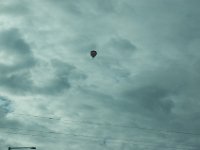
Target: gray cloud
<point x="91" y="8"/>
<point x="61" y="78"/>
<point x="12" y="41"/>
<point x="17" y="77"/>
<point x="14" y="8"/>
<point x="17" y="83"/>
<point x="153" y="99"/>
<point x="146" y="73"/>
<point x="13" y="45"/>
<point x="5" y="106"/>
<point x="121" y="46"/>
<point x="17" y="60"/>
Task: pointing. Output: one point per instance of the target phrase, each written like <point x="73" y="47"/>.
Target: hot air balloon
<point x="93" y="53"/>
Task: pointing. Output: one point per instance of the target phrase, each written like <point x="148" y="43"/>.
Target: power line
<point x="70" y="134"/>
<point x="110" y="124"/>
<point x="112" y="141"/>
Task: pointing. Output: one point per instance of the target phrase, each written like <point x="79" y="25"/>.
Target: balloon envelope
<point x="93" y="53"/>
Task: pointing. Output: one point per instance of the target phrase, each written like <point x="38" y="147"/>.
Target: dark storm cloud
<point x="12" y="44"/>
<point x="153" y="101"/>
<point x="16" y="76"/>
<point x="154" y="88"/>
<point x="17" y="82"/>
<point x="5" y="106"/>
<point x="12" y="41"/>
<point x="18" y="59"/>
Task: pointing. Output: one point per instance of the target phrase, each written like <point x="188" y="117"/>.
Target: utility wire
<point x="110" y="124"/>
<point x="112" y="141"/>
<point x="71" y="134"/>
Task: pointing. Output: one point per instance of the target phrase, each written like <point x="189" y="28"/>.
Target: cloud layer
<point x="141" y="91"/>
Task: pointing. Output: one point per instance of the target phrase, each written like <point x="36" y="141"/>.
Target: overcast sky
<point x="140" y="92"/>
